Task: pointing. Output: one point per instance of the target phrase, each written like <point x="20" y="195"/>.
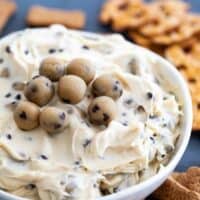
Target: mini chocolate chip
<point x="115" y="87"/>
<point x="1" y="60"/>
<point x="8" y="95"/>
<point x="125" y="123"/>
<point x="198" y="105"/>
<point x="26" y="52"/>
<point x="9" y="136"/>
<point x="47" y="84"/>
<point x="52" y="50"/>
<point x="149" y="95"/>
<point x="86" y="143"/>
<point x="18" y="97"/>
<point x="57" y="126"/>
<point x="30" y="186"/>
<point x="77" y="162"/>
<point x="105" y="117"/>
<point x="165" y="98"/>
<point x="104" y="191"/>
<point x="94" y="185"/>
<point x="66" y="101"/>
<point x="44" y="157"/>
<point x="8" y="49"/>
<point x="70" y="110"/>
<point x="117" y="82"/>
<point x="153" y="116"/>
<point x="62" y="183"/>
<point x="129" y="101"/>
<point x="164" y="125"/>
<point x="152" y="139"/>
<point x="60" y="50"/>
<point x="23" y="115"/>
<point x="163" y="155"/>
<point x="62" y="116"/>
<point x="116" y="189"/>
<point x="140" y="108"/>
<point x="14" y="103"/>
<point x="95" y="108"/>
<point x="155" y="135"/>
<point x="85" y="47"/>
<point x="124" y="114"/>
<point x="36" y="76"/>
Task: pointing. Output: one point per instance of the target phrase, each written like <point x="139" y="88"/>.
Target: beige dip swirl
<point x="85" y="161"/>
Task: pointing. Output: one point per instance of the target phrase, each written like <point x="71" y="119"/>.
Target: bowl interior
<point x="174" y="80"/>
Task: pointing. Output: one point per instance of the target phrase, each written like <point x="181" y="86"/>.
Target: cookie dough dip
<point x="82" y="115"/>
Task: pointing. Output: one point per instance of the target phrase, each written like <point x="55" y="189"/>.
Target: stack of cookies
<point x="166" y="27"/>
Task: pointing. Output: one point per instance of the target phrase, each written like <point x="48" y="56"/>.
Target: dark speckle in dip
<point x="124" y="114"/>
<point x="70" y="111"/>
<point x="52" y="51"/>
<point x="1" y="60"/>
<point x="86" y="143"/>
<point x="149" y="95"/>
<point x="26" y="52"/>
<point x="36" y="76"/>
<point x="62" y="116"/>
<point x="128" y="101"/>
<point x="9" y="136"/>
<point x="30" y="186"/>
<point x="8" y="49"/>
<point x="8" y="95"/>
<point x="66" y="101"/>
<point x="85" y="47"/>
<point x="153" y="116"/>
<point x="77" y="163"/>
<point x="18" y="97"/>
<point x="44" y="157"/>
<point x="60" y="50"/>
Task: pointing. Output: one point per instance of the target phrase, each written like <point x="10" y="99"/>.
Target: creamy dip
<point x="85" y="161"/>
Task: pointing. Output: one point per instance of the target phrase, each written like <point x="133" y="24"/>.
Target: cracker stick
<point x="7" y="9"/>
<point x="173" y="190"/>
<point x="42" y="16"/>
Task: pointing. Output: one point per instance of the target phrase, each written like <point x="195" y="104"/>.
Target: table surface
<point x="92" y="7"/>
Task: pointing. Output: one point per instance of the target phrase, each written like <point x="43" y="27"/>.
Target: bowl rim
<point x="180" y="151"/>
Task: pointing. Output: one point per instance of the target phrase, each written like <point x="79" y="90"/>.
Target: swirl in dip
<point x="85" y="160"/>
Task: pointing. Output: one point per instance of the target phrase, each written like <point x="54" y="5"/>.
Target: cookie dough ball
<point x="102" y="110"/>
<point x="26" y="115"/>
<point x="53" y="120"/>
<point x="71" y="89"/>
<point x="107" y="85"/>
<point x="39" y="90"/>
<point x="83" y="68"/>
<point x="52" y="68"/>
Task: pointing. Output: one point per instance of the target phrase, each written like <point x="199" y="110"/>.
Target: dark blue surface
<point x="92" y="7"/>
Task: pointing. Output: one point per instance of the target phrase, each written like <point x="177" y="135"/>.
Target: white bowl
<point x="142" y="190"/>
